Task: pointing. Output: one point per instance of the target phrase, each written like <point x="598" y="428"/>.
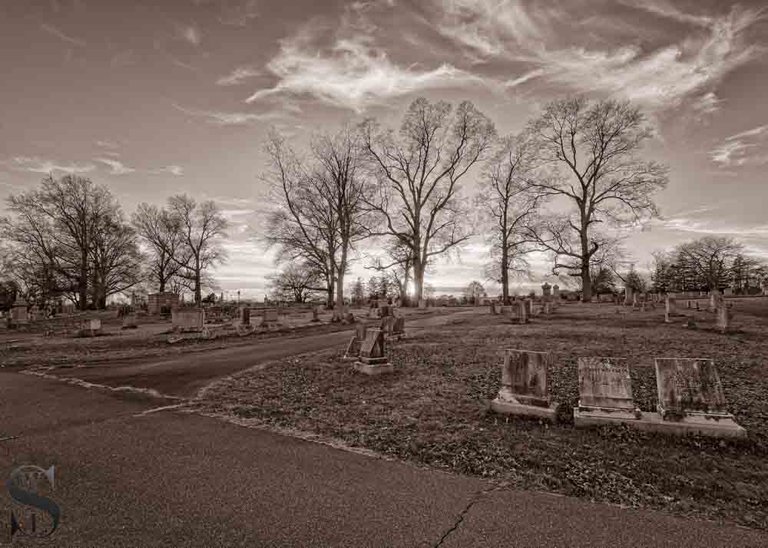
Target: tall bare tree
<point x="419" y="170"/>
<point x="319" y="215"/>
<point x="61" y="229"/>
<point x="588" y="156"/>
<point x="295" y="282"/>
<point x="509" y="206"/>
<point x="202" y="228"/>
<point x="162" y="233"/>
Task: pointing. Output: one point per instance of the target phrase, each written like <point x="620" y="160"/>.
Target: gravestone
<point x="628" y="294"/>
<point x="714" y="299"/>
<point x="691" y="398"/>
<point x="269" y="316"/>
<point x="528" y="304"/>
<point x="547" y="308"/>
<point x="315" y="313"/>
<point x="90" y="328"/>
<point x="245" y="315"/>
<point x="372" y="360"/>
<point x="19" y="312"/>
<point x="353" y="347"/>
<point x="422" y="303"/>
<point x="130" y="321"/>
<point x="723" y="317"/>
<point x="524" y="389"/>
<point x="728" y="292"/>
<point x="188" y="319"/>
<point x="517" y="312"/>
<point x="546" y="291"/>
<point x="398" y="329"/>
<point x="556" y="293"/>
<point x="671" y="306"/>
<point x="387" y="324"/>
<point x="605" y="392"/>
<point x="493" y="308"/>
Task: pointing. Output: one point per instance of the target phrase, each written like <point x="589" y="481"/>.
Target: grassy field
<point x="434" y="409"/>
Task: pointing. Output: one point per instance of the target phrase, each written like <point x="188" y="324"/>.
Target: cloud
<point x="116" y="167"/>
<point x="190" y="34"/>
<point x="708" y="103"/>
<point x="175" y="170"/>
<point x="40" y="165"/>
<point x="749" y="147"/>
<point x="50" y="29"/>
<point x="110" y="145"/>
<point x="659" y="76"/>
<point x="351" y="73"/>
<point x="238" y="76"/>
<point x="230" y="118"/>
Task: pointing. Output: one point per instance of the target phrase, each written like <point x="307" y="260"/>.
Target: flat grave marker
<point x="605" y="392"/>
<point x="524" y="389"/>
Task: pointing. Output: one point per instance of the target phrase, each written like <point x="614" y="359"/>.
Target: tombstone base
<point x="374" y="366"/>
<point x="506" y="407"/>
<point x="720" y="427"/>
<point x="592" y="416"/>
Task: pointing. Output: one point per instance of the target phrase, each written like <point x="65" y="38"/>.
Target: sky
<point x="158" y="97"/>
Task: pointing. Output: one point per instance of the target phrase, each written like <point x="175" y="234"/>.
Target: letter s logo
<point x="23" y="489"/>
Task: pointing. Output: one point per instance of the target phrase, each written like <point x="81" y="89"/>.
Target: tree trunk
<point x="504" y="274"/>
<point x="418" y="281"/>
<point x="586" y="284"/>
<point x="198" y="289"/>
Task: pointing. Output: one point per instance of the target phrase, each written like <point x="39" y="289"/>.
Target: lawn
<point x="434" y="409"/>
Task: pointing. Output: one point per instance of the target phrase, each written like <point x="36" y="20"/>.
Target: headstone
<point x="188" y="319"/>
<point x="547" y="308"/>
<point x="269" y="316"/>
<point x="556" y="294"/>
<point x="714" y="299"/>
<point x="387" y="324"/>
<point x="691" y="398"/>
<point x="130" y="321"/>
<point x="353" y="347"/>
<point x="605" y="392"/>
<point x="524" y="390"/>
<point x="372" y="360"/>
<point x="315" y="313"/>
<point x="245" y="315"/>
<point x="628" y="296"/>
<point x="493" y="308"/>
<point x="422" y="303"/>
<point x="90" y="328"/>
<point x="517" y="312"/>
<point x="528" y="304"/>
<point x="398" y="328"/>
<point x="723" y="317"/>
<point x="19" y="312"/>
<point x="546" y="290"/>
<point x="728" y="292"/>
<point x="671" y="307"/>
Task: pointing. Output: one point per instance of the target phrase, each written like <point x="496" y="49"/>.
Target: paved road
<point x="126" y="478"/>
<point x="184" y="375"/>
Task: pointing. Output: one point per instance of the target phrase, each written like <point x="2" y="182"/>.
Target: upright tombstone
<point x="714" y="300"/>
<point x="524" y="390"/>
<point x="728" y="292"/>
<point x="546" y="291"/>
<point x="245" y="315"/>
<point x="517" y="312"/>
<point x="188" y="319"/>
<point x="353" y="347"/>
<point x="130" y="321"/>
<point x="528" y="304"/>
<point x="547" y="308"/>
<point x="628" y="296"/>
<point x="605" y="392"/>
<point x="493" y="308"/>
<point x="19" y="312"/>
<point x="691" y="398"/>
<point x="398" y="329"/>
<point x="556" y="294"/>
<point x="422" y="303"/>
<point x="372" y="360"/>
<point x="315" y="313"/>
<point x="269" y="317"/>
<point x="723" y="317"/>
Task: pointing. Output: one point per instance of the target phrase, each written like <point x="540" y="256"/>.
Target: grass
<point x="433" y="409"/>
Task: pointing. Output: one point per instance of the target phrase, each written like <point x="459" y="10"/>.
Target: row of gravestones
<point x="718" y="305"/>
<point x="521" y="311"/>
<point x="690" y="396"/>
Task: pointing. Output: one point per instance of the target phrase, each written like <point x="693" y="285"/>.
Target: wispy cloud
<point x="230" y="118"/>
<point x="238" y="76"/>
<point x="238" y="12"/>
<point x="351" y="74"/>
<point x="659" y="76"/>
<point x="109" y="145"/>
<point x="116" y="166"/>
<point x="748" y="147"/>
<point x="50" y="29"/>
<point x="189" y="33"/>
<point x="35" y="164"/>
<point x="709" y="103"/>
<point x="175" y="170"/>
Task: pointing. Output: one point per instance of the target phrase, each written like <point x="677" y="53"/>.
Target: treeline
<point x="562" y="186"/>
<point x="70" y="239"/>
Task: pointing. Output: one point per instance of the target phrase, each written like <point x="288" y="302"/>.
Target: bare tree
<point x="115" y="259"/>
<point x="320" y="215"/>
<point x="296" y="282"/>
<point x="708" y="260"/>
<point x="398" y="268"/>
<point x="162" y="233"/>
<point x="419" y="170"/>
<point x="510" y="207"/>
<point x="587" y="156"/>
<point x="57" y="230"/>
<point x="202" y="228"/>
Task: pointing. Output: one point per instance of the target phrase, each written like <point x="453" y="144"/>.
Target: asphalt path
<point x="185" y="374"/>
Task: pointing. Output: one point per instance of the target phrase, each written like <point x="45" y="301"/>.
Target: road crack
<point x="476" y="497"/>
